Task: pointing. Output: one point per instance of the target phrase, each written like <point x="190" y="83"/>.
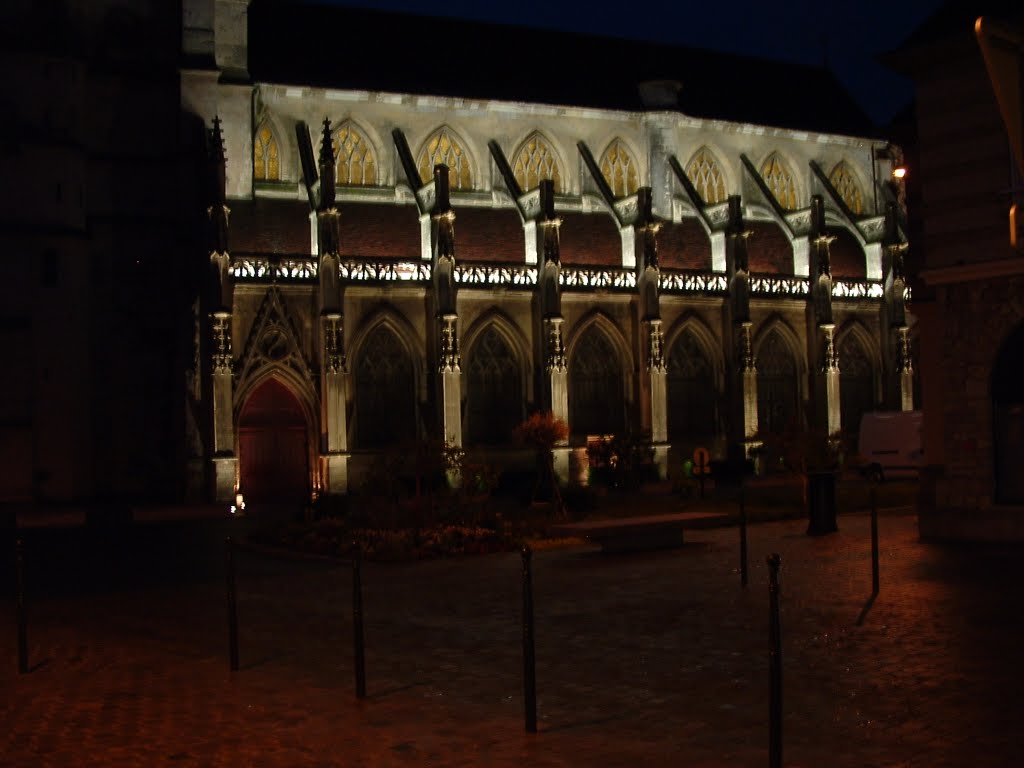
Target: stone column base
<point x="225" y="471"/>
<point x="334" y="467"/>
<point x="561" y="457"/>
<point x="661" y="459"/>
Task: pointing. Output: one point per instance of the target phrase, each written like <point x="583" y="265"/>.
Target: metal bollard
<point x="874" y="543"/>
<point x="229" y="562"/>
<point x="359" y="649"/>
<point x="19" y="565"/>
<point x="743" y="536"/>
<point x="529" y="670"/>
<point x="775" y="664"/>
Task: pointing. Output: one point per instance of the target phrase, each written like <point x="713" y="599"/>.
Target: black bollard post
<point x="529" y="671"/>
<point x="874" y="543"/>
<point x="775" y="663"/>
<point x="358" y="646"/>
<point x="19" y="565"/>
<point x="229" y="562"/>
<point x="743" y="536"/>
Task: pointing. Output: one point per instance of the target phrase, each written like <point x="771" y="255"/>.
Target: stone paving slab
<point x="655" y="659"/>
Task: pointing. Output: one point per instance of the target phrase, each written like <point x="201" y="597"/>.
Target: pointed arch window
<point x="444" y="147"/>
<point x="845" y="183"/>
<point x="596" y="404"/>
<point x="357" y="162"/>
<point x="266" y="155"/>
<point x="385" y="392"/>
<point x="776" y="385"/>
<point x="534" y="162"/>
<point x="619" y="169"/>
<point x="706" y="176"/>
<point x="691" y="389"/>
<point x="856" y="384"/>
<point x="779" y="179"/>
<point x="494" y="402"/>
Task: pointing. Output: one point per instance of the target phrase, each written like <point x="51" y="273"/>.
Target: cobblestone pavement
<point x="657" y="659"/>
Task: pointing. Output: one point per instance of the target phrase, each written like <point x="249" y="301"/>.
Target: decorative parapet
<point x="298" y="269"/>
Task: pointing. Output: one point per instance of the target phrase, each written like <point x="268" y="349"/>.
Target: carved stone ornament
<point x="222" y="353"/>
<point x="830" y="360"/>
<point x="745" y="347"/>
<point x="655" y="347"/>
<point x="555" y="348"/>
<point x="274" y="340"/>
<point x="334" y="344"/>
<point x="450" y="360"/>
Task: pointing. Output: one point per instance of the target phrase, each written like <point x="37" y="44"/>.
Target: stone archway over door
<point x="1008" y="420"/>
<point x="273" y="445"/>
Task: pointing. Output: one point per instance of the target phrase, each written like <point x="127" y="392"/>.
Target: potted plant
<point x="542" y="432"/>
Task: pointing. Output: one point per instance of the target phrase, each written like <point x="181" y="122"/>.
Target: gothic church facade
<point x="388" y="265"/>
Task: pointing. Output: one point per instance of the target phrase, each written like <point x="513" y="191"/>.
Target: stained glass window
<point x="777" y="176"/>
<point x="776" y="385"/>
<point x="494" y="403"/>
<point x="596" y="405"/>
<point x="443" y="147"/>
<point x="266" y="156"/>
<point x="706" y="176"/>
<point x="534" y="162"/>
<point x="845" y="183"/>
<point x="691" y="389"/>
<point x="385" y="391"/>
<point x="619" y="169"/>
<point x="357" y="163"/>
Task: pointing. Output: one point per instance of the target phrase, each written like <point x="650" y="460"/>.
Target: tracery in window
<point x="619" y="169"/>
<point x="776" y="385"/>
<point x="777" y="176"/>
<point x="534" y="162"/>
<point x="846" y="185"/>
<point x="691" y="389"/>
<point x="357" y="162"/>
<point x="856" y="384"/>
<point x="266" y="156"/>
<point x="706" y="176"/>
<point x="443" y="147"/>
<point x="494" y="403"/>
<point x="596" y="403"/>
<point x="385" y="391"/>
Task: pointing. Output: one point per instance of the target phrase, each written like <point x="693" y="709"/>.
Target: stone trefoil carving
<point x="222" y="354"/>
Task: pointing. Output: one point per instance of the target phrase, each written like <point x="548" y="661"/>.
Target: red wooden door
<point x="273" y="445"/>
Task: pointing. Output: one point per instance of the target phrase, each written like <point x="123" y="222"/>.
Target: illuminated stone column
<point x="748" y="376"/>
<point x="225" y="463"/>
<point x="451" y="380"/>
<point x="906" y="370"/>
<point x="557" y="382"/>
<point x="657" y="380"/>
<point x="334" y="396"/>
<point x="830" y="372"/>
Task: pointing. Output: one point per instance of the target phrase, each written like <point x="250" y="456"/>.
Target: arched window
<point x="846" y="185"/>
<point x="444" y="147"/>
<point x="856" y="384"/>
<point x="266" y="163"/>
<point x="691" y="390"/>
<point x="776" y="385"/>
<point x="494" y="400"/>
<point x="706" y="176"/>
<point x="596" y="404"/>
<point x="357" y="163"/>
<point x="619" y="169"/>
<point x="534" y="162"/>
<point x="777" y="176"/>
<point x="385" y="391"/>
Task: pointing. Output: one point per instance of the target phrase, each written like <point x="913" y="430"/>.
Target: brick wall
<point x="488" y="235"/>
<point x="269" y="226"/>
<point x="381" y="230"/>
<point x="846" y="255"/>
<point x="768" y="249"/>
<point x="684" y="245"/>
<point x="591" y="239"/>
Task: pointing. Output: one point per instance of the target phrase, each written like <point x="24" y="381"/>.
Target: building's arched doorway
<point x="691" y="391"/>
<point x="494" y="400"/>
<point x="273" y="446"/>
<point x="856" y="385"/>
<point x="777" y="392"/>
<point x="596" y="402"/>
<point x="1008" y="420"/>
<point x="385" y="391"/>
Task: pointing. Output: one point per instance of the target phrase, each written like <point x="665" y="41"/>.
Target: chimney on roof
<point x="660" y="94"/>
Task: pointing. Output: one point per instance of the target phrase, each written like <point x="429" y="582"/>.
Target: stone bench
<point x="631" y="534"/>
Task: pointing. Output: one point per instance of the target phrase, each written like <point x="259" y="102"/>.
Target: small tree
<point x="542" y="432"/>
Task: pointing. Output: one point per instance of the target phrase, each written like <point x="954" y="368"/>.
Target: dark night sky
<point x="851" y="34"/>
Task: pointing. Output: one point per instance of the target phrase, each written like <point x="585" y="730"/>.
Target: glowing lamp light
<point x="238" y="508"/>
<point x="899" y="172"/>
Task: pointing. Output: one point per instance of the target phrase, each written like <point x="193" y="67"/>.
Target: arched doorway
<point x="777" y="394"/>
<point x="1008" y="420"/>
<point x="856" y="385"/>
<point x="596" y="403"/>
<point x="273" y="446"/>
<point x="385" y="391"/>
<point x="691" y="391"/>
<point x="494" y="400"/>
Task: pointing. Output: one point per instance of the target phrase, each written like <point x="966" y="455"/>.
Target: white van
<point x="890" y="444"/>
